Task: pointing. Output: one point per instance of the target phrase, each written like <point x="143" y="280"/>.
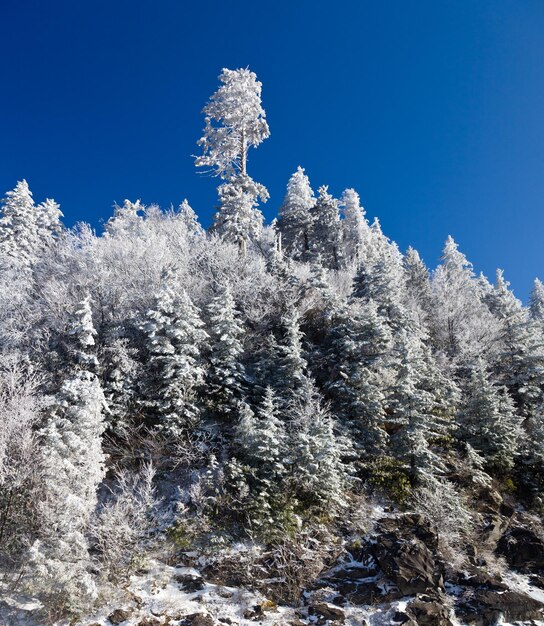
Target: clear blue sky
<point x="431" y="109"/>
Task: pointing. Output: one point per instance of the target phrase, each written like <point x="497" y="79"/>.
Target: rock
<point x="254" y="613"/>
<point x="537" y="581"/>
<point x="190" y="582"/>
<point x="150" y="621"/>
<point x="118" y="616"/>
<point x="494" y="528"/>
<point x="401" y="617"/>
<point x="327" y="613"/>
<point x="478" y="579"/>
<point x="197" y="619"/>
<point x="405" y="550"/>
<point x="522" y="548"/>
<point x="486" y="608"/>
<point x="429" y="611"/>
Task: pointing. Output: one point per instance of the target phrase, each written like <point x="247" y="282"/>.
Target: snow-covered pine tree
<point x="26" y="229"/>
<point x="326" y="234"/>
<point x="235" y="121"/>
<point x="519" y="363"/>
<point x="411" y="411"/>
<point x="461" y="325"/>
<point x="295" y="216"/>
<point x="187" y="215"/>
<point x="225" y="375"/>
<point x="318" y="475"/>
<point x="380" y="277"/>
<point x="358" y="344"/>
<point x="73" y="467"/>
<point x="174" y="339"/>
<point x="488" y="420"/>
<point x="263" y="439"/>
<point x="418" y="286"/>
<point x="355" y="227"/>
<point x="290" y="366"/>
<point x="536" y="304"/>
<point x="49" y="221"/>
<point x="238" y="217"/>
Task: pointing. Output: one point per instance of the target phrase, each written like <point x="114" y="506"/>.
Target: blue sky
<point x="431" y="109"/>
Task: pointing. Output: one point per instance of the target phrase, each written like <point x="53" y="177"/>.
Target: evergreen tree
<point x="190" y="219"/>
<point x="356" y="230"/>
<point x="326" y="236"/>
<point x="461" y="325"/>
<point x="418" y="286"/>
<point x="519" y="363"/>
<point x="235" y="121"/>
<point x="290" y="366"/>
<point x="488" y="421"/>
<point x="536" y="304"/>
<point x="295" y="216"/>
<point x="73" y="467"/>
<point x="225" y="377"/>
<point x="358" y="344"/>
<point x="318" y="475"/>
<point x="238" y="218"/>
<point x="26" y="229"/>
<point x="174" y="338"/>
<point x="380" y="278"/>
<point x="411" y="410"/>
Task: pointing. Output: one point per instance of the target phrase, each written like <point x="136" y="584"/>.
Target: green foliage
<point x="391" y="476"/>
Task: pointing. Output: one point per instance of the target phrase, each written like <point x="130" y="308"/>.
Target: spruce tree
<point x="519" y="362"/>
<point x="295" y="216"/>
<point x="73" y="467"/>
<point x="174" y="337"/>
<point x="225" y="376"/>
<point x="488" y="420"/>
<point x="238" y="218"/>
<point x="358" y="345"/>
<point x="326" y="234"/>
<point x="355" y="227"/>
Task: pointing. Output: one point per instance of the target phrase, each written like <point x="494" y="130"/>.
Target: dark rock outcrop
<point x="119" y="616"/>
<point x="485" y="607"/>
<point x="522" y="548"/>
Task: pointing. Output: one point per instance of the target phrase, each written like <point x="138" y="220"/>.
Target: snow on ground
<point x="159" y="593"/>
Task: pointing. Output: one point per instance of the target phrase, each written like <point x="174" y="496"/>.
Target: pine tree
<point x="488" y="421"/>
<point x="26" y="229"/>
<point x="289" y="364"/>
<point x="462" y="325"/>
<point x="190" y="219"/>
<point x="174" y="338"/>
<point x="318" y="475"/>
<point x="73" y="467"/>
<point x="536" y="304"/>
<point x="295" y="216"/>
<point x="380" y="278"/>
<point x="326" y="234"/>
<point x="238" y="218"/>
<point x="358" y="344"/>
<point x="264" y="439"/>
<point x="411" y="410"/>
<point x="519" y="363"/>
<point x="418" y="286"/>
<point x="225" y="377"/>
<point x="235" y="121"/>
<point x="356" y="230"/>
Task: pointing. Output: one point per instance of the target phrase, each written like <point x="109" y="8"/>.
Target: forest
<point x="280" y="408"/>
